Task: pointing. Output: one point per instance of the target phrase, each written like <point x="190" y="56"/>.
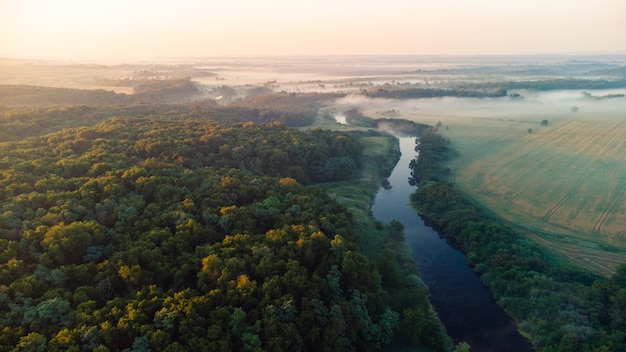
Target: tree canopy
<point x="178" y="232"/>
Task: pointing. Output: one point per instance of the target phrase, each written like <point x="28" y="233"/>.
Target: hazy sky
<point x="185" y="28"/>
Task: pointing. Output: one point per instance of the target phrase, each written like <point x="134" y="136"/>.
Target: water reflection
<point x="464" y="305"/>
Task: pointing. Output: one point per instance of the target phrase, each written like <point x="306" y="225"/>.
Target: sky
<point x="195" y="28"/>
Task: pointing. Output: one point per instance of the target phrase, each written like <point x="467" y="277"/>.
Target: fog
<point x="351" y="75"/>
<point x="531" y="104"/>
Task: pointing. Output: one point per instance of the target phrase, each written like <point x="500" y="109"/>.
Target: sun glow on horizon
<point x="117" y="28"/>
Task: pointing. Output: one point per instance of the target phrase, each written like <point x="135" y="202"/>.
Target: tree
<point x="33" y="342"/>
<point x="396" y="230"/>
<point x="387" y="264"/>
<point x="67" y="244"/>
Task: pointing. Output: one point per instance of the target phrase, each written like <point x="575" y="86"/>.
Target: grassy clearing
<point x="381" y="154"/>
<point x="563" y="184"/>
<point x="357" y="195"/>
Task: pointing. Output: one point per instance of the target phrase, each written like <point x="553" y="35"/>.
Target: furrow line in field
<point x="616" y="144"/>
<point x="478" y="180"/>
<point x="609" y="210"/>
<point x="452" y="176"/>
<point x="612" y="133"/>
<point x="565" y="126"/>
<point x="520" y="175"/>
<point x="506" y="159"/>
<point x="547" y="215"/>
<point x="475" y="177"/>
<point x="599" y="265"/>
<point x="581" y="140"/>
<point x="568" y="132"/>
<point x="541" y="157"/>
<point x="604" y="165"/>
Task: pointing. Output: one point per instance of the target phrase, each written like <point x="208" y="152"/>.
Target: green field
<point x="563" y="185"/>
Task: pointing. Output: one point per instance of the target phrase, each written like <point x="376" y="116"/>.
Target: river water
<point x="463" y="304"/>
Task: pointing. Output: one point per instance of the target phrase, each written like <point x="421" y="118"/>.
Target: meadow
<point x="563" y="184"/>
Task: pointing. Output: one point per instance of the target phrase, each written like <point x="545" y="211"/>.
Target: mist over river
<point x="463" y="304"/>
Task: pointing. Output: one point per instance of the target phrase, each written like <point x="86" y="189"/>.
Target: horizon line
<point x="269" y="56"/>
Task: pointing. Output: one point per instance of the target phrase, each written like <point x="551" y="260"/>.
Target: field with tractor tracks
<point x="563" y="184"/>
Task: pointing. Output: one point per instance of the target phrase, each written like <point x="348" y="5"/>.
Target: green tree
<point x="68" y="243"/>
<point x="33" y="342"/>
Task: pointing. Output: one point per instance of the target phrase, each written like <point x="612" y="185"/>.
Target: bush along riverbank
<point x="558" y="306"/>
<point x="419" y="329"/>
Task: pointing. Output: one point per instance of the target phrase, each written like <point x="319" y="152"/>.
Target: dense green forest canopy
<point x="149" y="91"/>
<point x="168" y="228"/>
<point x="22" y="122"/>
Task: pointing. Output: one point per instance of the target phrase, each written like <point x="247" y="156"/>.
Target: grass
<point x="564" y="185"/>
<point x="380" y="154"/>
<point x="357" y="195"/>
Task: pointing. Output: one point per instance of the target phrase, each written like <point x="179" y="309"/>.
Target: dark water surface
<point x="463" y="304"/>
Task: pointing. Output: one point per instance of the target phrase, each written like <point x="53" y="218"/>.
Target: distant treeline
<point x="28" y="105"/>
<point x="578" y="68"/>
<point x="152" y="91"/>
<point x="401" y="127"/>
<point x="289" y="101"/>
<point x="293" y="109"/>
<point x="23" y="95"/>
<point x="561" y="307"/>
<point x="552" y="84"/>
<point x="22" y="122"/>
<point x="416" y="93"/>
<point x="590" y="96"/>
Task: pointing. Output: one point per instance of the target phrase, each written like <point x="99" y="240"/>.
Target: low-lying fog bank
<point x="540" y="104"/>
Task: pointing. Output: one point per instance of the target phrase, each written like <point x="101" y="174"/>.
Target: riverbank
<point x="462" y="302"/>
<point x="384" y="245"/>
<point x="380" y="153"/>
<point x="559" y="307"/>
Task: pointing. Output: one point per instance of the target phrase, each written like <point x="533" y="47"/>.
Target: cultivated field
<point x="564" y="184"/>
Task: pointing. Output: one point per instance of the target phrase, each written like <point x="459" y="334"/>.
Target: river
<point x="463" y="304"/>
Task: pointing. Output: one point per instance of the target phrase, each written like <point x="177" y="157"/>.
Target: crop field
<point x="563" y="185"/>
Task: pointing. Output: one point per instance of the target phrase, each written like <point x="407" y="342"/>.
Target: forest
<point x="192" y="228"/>
<point x="148" y="91"/>
<point x="552" y="84"/>
<point x="560" y="307"/>
<point x="391" y="92"/>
